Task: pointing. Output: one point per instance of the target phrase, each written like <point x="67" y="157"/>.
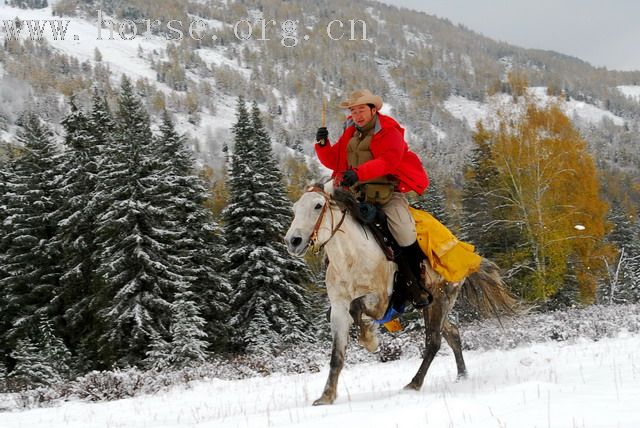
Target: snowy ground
<point x="584" y="384"/>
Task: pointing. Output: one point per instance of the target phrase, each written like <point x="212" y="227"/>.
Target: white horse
<point x="359" y="283"/>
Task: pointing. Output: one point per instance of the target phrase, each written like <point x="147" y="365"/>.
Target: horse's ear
<point x="310" y="185"/>
<point x="328" y="187"/>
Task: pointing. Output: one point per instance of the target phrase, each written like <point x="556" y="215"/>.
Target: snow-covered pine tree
<point x="53" y="349"/>
<point x="5" y="324"/>
<point x="634" y="289"/>
<point x="270" y="307"/>
<point x="101" y="130"/>
<point x="76" y="230"/>
<point x="30" y="263"/>
<point x="28" y="4"/>
<point x="619" y="286"/>
<point x="477" y="205"/>
<point x="29" y="370"/>
<point x="3" y="377"/>
<point x="5" y="320"/>
<point x="433" y="201"/>
<point x="569" y="295"/>
<point x="240" y="174"/>
<point x="41" y="358"/>
<point x="629" y="291"/>
<point x="635" y="285"/>
<point x="4" y="179"/>
<point x="102" y="121"/>
<point x="198" y="246"/>
<point x="188" y="346"/>
<point x="158" y="354"/>
<point x="135" y="273"/>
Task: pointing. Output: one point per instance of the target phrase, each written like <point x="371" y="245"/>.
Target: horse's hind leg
<point x="452" y="336"/>
<point x="340" y="324"/>
<point x="433" y="319"/>
<point x="368" y="305"/>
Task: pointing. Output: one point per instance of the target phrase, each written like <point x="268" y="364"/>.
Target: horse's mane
<point x="318" y="184"/>
<point x="346" y="200"/>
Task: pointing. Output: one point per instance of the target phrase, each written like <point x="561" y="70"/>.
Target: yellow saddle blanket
<point x="451" y="258"/>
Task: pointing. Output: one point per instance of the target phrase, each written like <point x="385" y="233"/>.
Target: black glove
<point x="367" y="212"/>
<point x="349" y="178"/>
<point x="322" y="135"/>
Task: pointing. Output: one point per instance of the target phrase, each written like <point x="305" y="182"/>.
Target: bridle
<point x="314" y="233"/>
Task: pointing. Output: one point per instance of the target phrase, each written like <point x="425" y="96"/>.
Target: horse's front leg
<point x="340" y="324"/>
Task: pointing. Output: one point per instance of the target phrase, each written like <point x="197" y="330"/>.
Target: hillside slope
<point x="426" y="69"/>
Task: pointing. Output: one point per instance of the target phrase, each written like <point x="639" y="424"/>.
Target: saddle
<point x="372" y="216"/>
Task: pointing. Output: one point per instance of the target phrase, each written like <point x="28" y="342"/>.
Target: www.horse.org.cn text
<point x="289" y="31"/>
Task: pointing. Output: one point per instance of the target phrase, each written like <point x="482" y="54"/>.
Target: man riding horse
<point x="372" y="157"/>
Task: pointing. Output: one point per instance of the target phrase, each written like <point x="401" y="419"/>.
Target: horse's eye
<point x="318" y="206"/>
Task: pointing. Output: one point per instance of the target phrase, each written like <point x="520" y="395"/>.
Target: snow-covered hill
<point x="472" y="111"/>
<point x="81" y="40"/>
<point x="129" y="57"/>
<point x="630" y="91"/>
<point x="557" y="385"/>
<point x="439" y="68"/>
<point x="417" y="61"/>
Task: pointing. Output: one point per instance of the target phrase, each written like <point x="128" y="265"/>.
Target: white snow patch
<point x="472" y="111"/>
<point x="386" y="108"/>
<point x="585" y="111"/>
<point x="375" y="14"/>
<point x="630" y="91"/>
<point x="81" y="40"/>
<point x="465" y="109"/>
<point x="216" y="58"/>
<point x="212" y="24"/>
<point x="440" y="134"/>
<point x="590" y="384"/>
<point x="384" y="68"/>
<point x="419" y="38"/>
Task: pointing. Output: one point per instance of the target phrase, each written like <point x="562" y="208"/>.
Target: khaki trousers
<point x="401" y="222"/>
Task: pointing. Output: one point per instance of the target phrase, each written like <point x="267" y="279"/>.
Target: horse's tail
<point x="486" y="291"/>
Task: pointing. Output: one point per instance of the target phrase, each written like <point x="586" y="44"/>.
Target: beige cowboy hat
<point x="363" y="96"/>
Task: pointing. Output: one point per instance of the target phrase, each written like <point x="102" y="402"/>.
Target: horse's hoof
<point x="372" y="344"/>
<point x="462" y="376"/>
<point x="412" y="387"/>
<point x="323" y="401"/>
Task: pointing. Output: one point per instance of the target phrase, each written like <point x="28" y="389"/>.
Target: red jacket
<point x="391" y="155"/>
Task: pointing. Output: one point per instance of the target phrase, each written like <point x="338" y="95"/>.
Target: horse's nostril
<point x="295" y="241"/>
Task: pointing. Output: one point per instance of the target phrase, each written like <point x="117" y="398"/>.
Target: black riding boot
<point x="409" y="261"/>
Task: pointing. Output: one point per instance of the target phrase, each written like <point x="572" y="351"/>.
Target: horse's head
<point x="307" y="215"/>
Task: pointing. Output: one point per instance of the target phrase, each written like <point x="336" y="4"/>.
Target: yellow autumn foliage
<point x="548" y="186"/>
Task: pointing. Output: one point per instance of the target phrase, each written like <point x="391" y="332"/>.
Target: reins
<point x="314" y="233"/>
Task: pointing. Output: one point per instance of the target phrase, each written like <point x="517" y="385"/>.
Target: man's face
<point x="362" y="114"/>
